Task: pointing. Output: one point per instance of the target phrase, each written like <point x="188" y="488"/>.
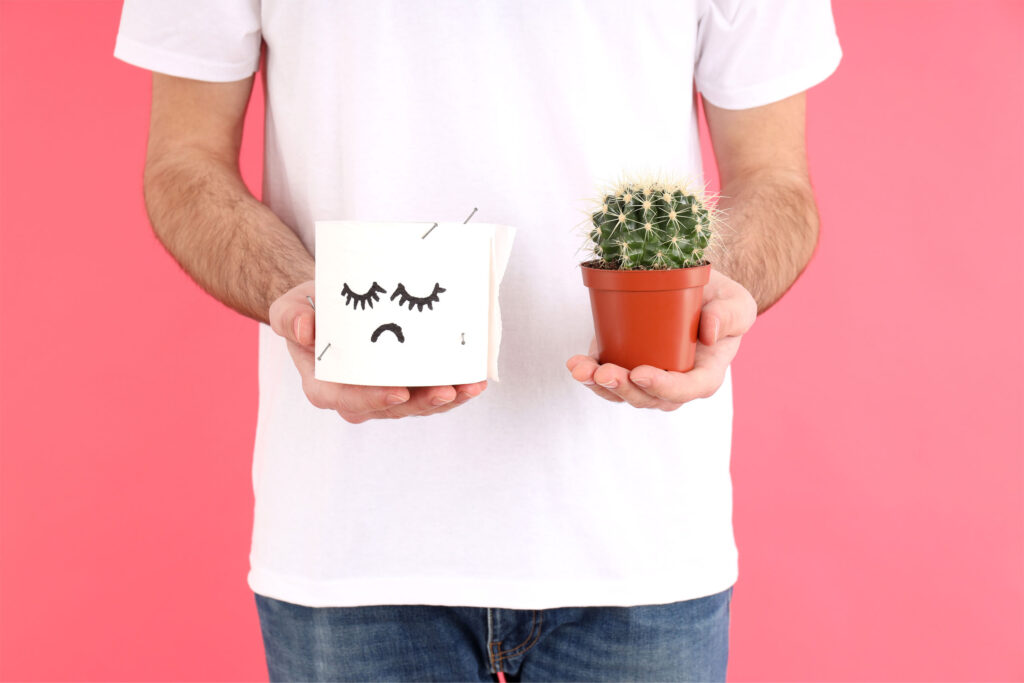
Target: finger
<point x="351" y="400"/>
<point x="421" y="400"/>
<point x="582" y="368"/>
<point x="463" y="394"/>
<point x="305" y="326"/>
<point x="471" y="390"/>
<point x="604" y="393"/>
<point x="292" y="317"/>
<point x="355" y="400"/>
<point x="702" y="381"/>
<point x="710" y="327"/>
<point x="616" y="379"/>
<point x="729" y="310"/>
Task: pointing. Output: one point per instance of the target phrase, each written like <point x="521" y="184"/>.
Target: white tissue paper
<point x="395" y="308"/>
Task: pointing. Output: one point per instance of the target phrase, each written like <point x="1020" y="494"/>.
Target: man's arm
<point x="772" y="229"/>
<point x="771" y="216"/>
<point x="239" y="251"/>
<point x="235" y="247"/>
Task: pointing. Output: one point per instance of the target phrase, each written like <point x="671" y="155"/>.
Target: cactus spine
<point x="652" y="226"/>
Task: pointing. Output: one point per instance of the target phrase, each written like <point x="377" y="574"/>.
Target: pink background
<point x="877" y="460"/>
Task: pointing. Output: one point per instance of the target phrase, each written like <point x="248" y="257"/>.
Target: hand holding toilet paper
<point x="408" y="304"/>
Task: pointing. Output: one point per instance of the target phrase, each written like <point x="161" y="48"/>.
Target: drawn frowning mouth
<point x="388" y="327"/>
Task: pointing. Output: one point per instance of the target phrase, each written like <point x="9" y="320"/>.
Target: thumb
<point x="728" y="314"/>
<point x="292" y="316"/>
<point x="710" y="326"/>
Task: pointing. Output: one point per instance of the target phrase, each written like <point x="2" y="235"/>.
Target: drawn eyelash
<point x="427" y="301"/>
<point x="362" y="300"/>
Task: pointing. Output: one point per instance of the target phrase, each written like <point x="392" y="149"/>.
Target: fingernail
<point x="588" y="382"/>
<point x="394" y="399"/>
<point x="611" y="385"/>
<point x="439" y="401"/>
<point x="297" y="328"/>
<point x="641" y="381"/>
<point x="464" y="395"/>
<point x="718" y="323"/>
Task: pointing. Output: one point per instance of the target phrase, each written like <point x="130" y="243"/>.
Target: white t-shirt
<point x="537" y="494"/>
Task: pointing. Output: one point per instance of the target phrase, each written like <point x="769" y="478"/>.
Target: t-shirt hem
<point x="505" y="594"/>
<point x="777" y="89"/>
<point x="181" y="65"/>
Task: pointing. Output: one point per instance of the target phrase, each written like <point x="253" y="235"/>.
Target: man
<point x="557" y="526"/>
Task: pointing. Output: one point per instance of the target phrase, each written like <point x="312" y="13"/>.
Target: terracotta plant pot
<point x="646" y="317"/>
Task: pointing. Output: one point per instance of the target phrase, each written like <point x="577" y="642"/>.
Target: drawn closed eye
<point x="427" y="301"/>
<point x="362" y="300"/>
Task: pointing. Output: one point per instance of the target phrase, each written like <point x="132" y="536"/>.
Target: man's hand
<point x="728" y="312"/>
<point x="293" y="318"/>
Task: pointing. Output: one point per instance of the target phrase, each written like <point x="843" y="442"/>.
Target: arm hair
<point x="230" y="243"/>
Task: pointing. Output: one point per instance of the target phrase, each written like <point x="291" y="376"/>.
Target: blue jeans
<point x="680" y="641"/>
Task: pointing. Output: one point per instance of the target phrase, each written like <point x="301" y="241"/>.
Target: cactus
<point x="652" y="225"/>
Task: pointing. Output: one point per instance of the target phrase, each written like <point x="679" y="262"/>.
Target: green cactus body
<point x="651" y="226"/>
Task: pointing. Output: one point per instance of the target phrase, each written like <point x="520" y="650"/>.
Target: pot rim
<point x="645" y="280"/>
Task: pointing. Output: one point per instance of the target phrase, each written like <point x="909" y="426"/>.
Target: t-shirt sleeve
<point x="754" y="52"/>
<point x="208" y="40"/>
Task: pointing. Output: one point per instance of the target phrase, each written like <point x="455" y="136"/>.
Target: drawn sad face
<point x="372" y="295"/>
<point x="405" y="311"/>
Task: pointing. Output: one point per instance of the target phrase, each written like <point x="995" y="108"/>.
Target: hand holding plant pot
<point x="648" y="288"/>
